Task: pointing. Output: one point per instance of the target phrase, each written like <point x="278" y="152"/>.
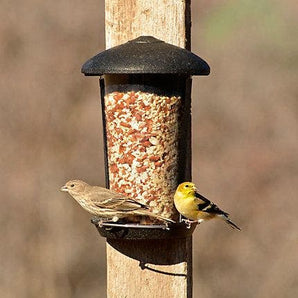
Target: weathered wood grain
<point x="149" y="268"/>
<point x="168" y="20"/>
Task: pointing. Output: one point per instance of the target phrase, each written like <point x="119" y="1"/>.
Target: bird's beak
<point x="64" y="188"/>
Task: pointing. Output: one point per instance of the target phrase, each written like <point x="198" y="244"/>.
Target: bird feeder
<point x="146" y="105"/>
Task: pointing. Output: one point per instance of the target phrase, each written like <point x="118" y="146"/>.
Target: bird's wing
<point x="108" y="199"/>
<point x="206" y="205"/>
<point x="121" y="204"/>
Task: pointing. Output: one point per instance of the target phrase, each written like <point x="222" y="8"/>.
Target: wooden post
<point x="166" y="20"/>
<point x="148" y="268"/>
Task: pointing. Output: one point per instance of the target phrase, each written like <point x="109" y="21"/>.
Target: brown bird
<point x="105" y="203"/>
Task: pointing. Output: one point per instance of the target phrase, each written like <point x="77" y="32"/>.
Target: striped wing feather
<point x="207" y="206"/>
<point x="107" y="199"/>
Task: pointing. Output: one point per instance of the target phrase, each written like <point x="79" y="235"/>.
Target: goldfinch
<point x="107" y="204"/>
<point x="197" y="208"/>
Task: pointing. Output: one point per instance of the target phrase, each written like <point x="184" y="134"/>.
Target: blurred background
<point x="244" y="147"/>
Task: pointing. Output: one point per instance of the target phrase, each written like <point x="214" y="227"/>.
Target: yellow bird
<point x="197" y="208"/>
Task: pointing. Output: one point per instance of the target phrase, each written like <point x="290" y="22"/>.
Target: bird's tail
<point x="230" y="223"/>
<point x="151" y="214"/>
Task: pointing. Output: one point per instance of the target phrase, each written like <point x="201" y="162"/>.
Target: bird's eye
<point x="72" y="185"/>
<point x="186" y="185"/>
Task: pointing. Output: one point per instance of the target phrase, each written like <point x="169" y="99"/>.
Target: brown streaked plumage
<point x="106" y="203"/>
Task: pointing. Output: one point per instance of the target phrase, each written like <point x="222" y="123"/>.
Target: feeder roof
<point x="145" y="55"/>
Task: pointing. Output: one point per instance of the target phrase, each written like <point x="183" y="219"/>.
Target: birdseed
<point x="142" y="138"/>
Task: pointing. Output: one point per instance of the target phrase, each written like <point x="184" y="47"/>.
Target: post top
<point x="145" y="55"/>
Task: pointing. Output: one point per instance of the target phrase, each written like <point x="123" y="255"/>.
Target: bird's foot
<point x="97" y="221"/>
<point x="166" y="227"/>
<point x="188" y="222"/>
<point x="115" y="219"/>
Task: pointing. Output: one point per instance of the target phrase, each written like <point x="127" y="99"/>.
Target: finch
<point x="197" y="208"/>
<point x="107" y="204"/>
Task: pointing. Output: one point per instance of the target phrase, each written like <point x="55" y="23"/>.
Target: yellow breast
<point x="186" y="205"/>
